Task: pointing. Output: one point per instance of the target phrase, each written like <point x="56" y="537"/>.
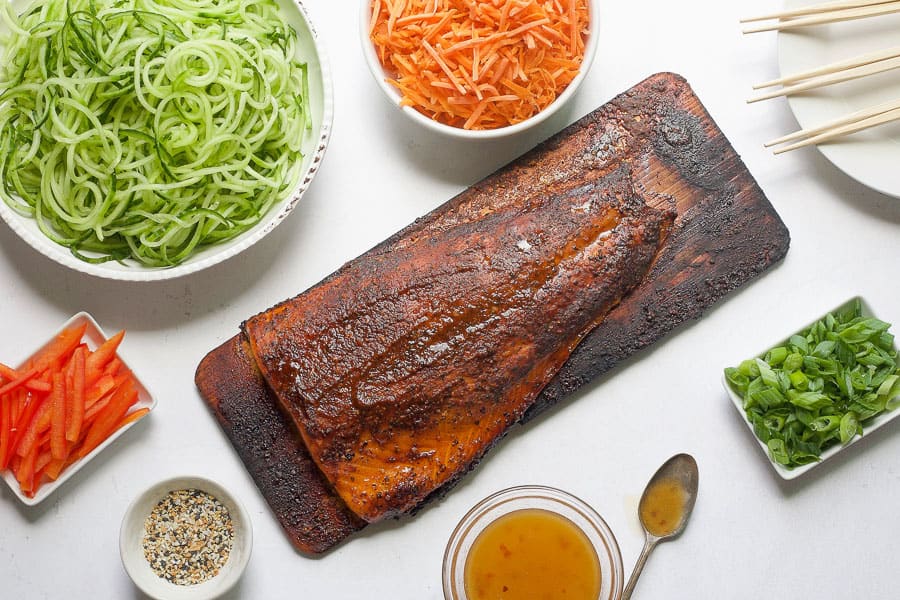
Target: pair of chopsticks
<point x="857" y="121"/>
<point x="845" y="70"/>
<point x="860" y="66"/>
<point x="831" y="12"/>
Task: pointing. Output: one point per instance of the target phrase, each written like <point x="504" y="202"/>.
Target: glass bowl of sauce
<point x="532" y="542"/>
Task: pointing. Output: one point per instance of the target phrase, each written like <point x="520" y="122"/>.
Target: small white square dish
<point x="93" y="338"/>
<point x="868" y="426"/>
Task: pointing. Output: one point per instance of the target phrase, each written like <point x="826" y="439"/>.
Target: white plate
<point x="868" y="427"/>
<point x="871" y="157"/>
<point x="93" y="337"/>
<point x="309" y="50"/>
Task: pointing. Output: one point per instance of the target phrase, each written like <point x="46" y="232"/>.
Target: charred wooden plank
<point x="406" y="366"/>
<point x="726" y="234"/>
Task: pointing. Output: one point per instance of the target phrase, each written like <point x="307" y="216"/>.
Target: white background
<point x="829" y="535"/>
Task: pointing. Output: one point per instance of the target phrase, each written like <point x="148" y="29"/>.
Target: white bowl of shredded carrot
<point x="483" y="69"/>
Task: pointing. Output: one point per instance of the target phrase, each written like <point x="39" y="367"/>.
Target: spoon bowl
<point x="674" y="486"/>
<point x="665" y="507"/>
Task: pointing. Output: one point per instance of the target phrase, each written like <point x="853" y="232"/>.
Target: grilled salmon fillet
<point x="405" y="366"/>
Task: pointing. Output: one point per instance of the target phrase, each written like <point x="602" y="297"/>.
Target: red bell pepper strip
<point x="98" y="359"/>
<point x="6" y="403"/>
<point x="76" y="397"/>
<point x="21" y="423"/>
<point x="58" y="417"/>
<point x="23" y="378"/>
<point x="60" y="346"/>
<point x="40" y="422"/>
<point x="25" y="472"/>
<point x="131" y="417"/>
<point x="101" y="389"/>
<point x="11" y="374"/>
<point x="109" y="417"/>
<point x="96" y="408"/>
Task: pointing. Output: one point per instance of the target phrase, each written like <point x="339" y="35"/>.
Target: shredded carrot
<point x="441" y="55"/>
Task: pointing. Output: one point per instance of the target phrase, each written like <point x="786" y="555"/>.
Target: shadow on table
<point x="463" y="162"/>
<point x="835" y="464"/>
<point x="234" y="594"/>
<point x="149" y="305"/>
<point x="852" y="192"/>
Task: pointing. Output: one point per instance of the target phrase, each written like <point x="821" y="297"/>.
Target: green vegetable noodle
<point x="148" y="129"/>
<point x="819" y="388"/>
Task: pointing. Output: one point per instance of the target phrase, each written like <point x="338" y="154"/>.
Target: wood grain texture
<point x="725" y="234"/>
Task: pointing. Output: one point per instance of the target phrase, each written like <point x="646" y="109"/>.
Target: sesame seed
<point x="188" y="537"/>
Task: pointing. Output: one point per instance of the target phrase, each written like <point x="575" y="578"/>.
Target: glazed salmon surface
<point x="406" y="365"/>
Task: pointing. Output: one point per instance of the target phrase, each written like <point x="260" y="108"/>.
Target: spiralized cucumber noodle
<point x="148" y="129"/>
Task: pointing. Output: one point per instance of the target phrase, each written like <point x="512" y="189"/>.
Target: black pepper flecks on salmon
<point x="406" y="366"/>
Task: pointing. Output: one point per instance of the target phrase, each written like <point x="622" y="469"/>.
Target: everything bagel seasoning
<point x="188" y="537"/>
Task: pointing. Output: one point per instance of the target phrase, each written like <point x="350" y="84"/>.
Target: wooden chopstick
<point x="836" y="73"/>
<point x="845" y="70"/>
<point x="856" y="61"/>
<point x="852" y="123"/>
<point x="815" y="9"/>
<point x="845" y="120"/>
<point x="830" y="16"/>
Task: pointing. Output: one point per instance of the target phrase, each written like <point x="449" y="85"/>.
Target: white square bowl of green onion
<point x="819" y="390"/>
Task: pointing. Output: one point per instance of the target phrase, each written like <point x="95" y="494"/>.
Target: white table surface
<point x="829" y="535"/>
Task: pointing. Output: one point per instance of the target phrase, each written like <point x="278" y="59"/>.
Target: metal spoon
<point x="682" y="469"/>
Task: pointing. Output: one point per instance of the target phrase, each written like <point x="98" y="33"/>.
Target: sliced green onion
<point x="820" y="387"/>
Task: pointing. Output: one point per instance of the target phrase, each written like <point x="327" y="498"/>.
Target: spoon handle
<point x="649" y="544"/>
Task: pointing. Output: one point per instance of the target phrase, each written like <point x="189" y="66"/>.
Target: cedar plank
<point x="726" y="234"/>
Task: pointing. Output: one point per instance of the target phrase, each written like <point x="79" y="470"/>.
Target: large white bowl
<point x="870" y="157"/>
<point x="394" y="96"/>
<point x="309" y="50"/>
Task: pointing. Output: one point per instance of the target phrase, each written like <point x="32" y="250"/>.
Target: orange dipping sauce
<point x="532" y="554"/>
<point x="663" y="507"/>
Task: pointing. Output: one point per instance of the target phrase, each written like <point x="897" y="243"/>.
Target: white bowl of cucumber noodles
<point x="148" y="139"/>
